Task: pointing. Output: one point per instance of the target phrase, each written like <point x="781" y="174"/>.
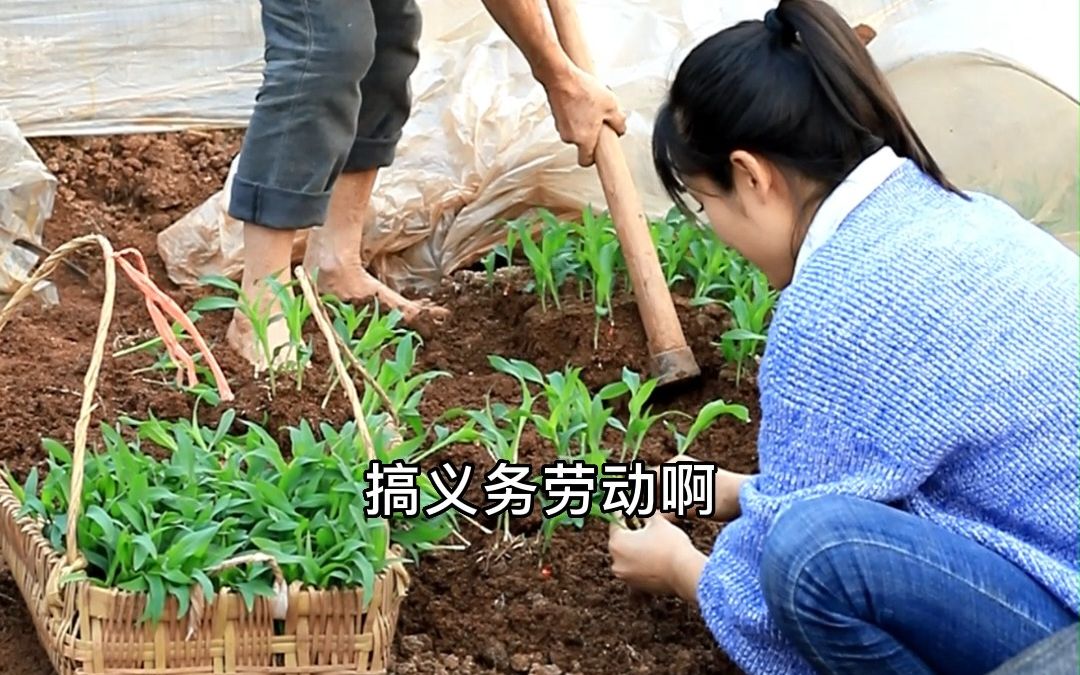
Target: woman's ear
<point x="750" y="174"/>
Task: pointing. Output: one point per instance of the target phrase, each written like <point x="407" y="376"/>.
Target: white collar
<point x="863" y="180"/>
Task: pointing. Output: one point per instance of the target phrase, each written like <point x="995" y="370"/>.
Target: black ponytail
<point x="799" y="88"/>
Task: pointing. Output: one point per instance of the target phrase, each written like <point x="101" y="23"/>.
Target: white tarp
<point x="481" y="145"/>
<point x="992" y="88"/>
<point x="27" y="193"/>
<point x="118" y="66"/>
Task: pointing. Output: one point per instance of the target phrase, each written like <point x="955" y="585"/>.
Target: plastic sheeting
<point x="27" y="191"/>
<point x="481" y="145"/>
<point x="992" y="88"/>
<point x="117" y="66"/>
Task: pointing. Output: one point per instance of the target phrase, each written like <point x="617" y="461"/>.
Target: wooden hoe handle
<point x="671" y="358"/>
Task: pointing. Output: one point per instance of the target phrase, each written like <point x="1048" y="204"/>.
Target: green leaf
<point x="219" y="281"/>
<point x="192" y="546"/>
<point x="56" y="451"/>
<point x="176" y="577"/>
<point x="183" y="599"/>
<point x="144" y="548"/>
<point x="31" y="488"/>
<point x="742" y="334"/>
<point x="708" y="414"/>
<point x="251" y="589"/>
<point x="132" y="515"/>
<point x="215" y="303"/>
<point x="273" y="495"/>
<point x="105" y="522"/>
<point x="613" y="390"/>
<point x="379" y="544"/>
<point x="16" y="489"/>
<point x="224" y="424"/>
<point x="136" y="585"/>
<point x="155" y="605"/>
<point x="518" y="369"/>
<point x="207" y="586"/>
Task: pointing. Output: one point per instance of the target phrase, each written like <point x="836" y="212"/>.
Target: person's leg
<point x="298" y="139"/>
<point x="335" y="249"/>
<point x="859" y="587"/>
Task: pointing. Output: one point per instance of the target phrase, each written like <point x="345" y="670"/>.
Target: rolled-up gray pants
<point x="334" y="98"/>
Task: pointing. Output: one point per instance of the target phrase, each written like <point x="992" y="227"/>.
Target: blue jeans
<point x="334" y="98"/>
<point x="859" y="587"/>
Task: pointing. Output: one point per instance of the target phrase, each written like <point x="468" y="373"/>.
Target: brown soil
<point x="485" y="610"/>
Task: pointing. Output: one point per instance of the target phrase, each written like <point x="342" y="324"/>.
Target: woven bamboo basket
<point x="89" y="629"/>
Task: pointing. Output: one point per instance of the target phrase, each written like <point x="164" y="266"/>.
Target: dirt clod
<point x="411" y="645"/>
<point x="521" y="663"/>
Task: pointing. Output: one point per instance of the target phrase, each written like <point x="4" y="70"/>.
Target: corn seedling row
<point x="588" y="252"/>
<point x="574" y="421"/>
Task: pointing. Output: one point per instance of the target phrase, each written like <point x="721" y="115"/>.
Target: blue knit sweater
<point x="928" y="355"/>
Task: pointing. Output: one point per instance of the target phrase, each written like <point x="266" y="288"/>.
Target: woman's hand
<point x="659" y="558"/>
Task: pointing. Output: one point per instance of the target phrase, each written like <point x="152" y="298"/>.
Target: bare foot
<point x="241" y="337"/>
<point x="349" y="281"/>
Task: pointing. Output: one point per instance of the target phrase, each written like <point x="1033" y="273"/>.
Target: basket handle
<point x="158" y="304"/>
<point x="318" y="311"/>
<point x="280" y="601"/>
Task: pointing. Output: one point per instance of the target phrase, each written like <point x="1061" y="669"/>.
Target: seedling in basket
<point x="158" y="526"/>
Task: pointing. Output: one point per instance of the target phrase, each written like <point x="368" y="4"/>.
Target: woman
<point x="916" y="509"/>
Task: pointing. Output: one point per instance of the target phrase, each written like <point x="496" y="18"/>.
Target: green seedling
<point x="599" y="253"/>
<point x="672" y="237"/>
<point x="641" y="419"/>
<point x="750" y="311"/>
<point x="380" y="338"/>
<point x="498" y="429"/>
<point x="504" y="251"/>
<point x="491" y="261"/>
<point x="159" y="526"/>
<point x="296" y="312"/>
<point x="708" y="261"/>
<point x="259" y="318"/>
<point x="543" y="277"/>
<point x="558" y="246"/>
<point x="575" y="426"/>
<point x="163" y="364"/>
<point x="404" y="388"/>
<point x="563" y="421"/>
<point x="553" y="260"/>
<point x="706" y="417"/>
